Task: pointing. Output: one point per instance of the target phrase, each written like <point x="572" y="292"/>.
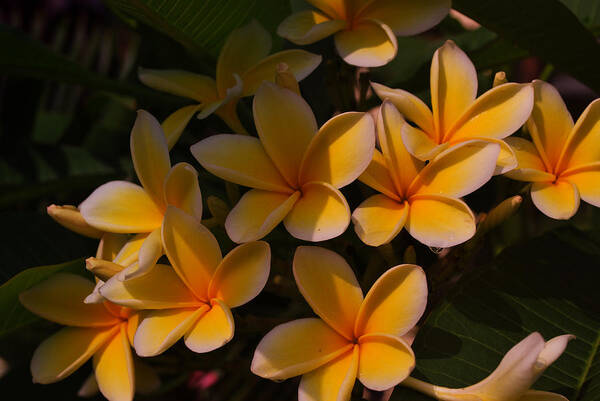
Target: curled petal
<point x="150" y="251"/>
<point x="369" y="44"/>
<point x="379" y="219"/>
<point x="378" y="177"/>
<point x="212" y="330"/>
<point x="181" y="83"/>
<point x="182" y="190"/>
<point x="558" y="200"/>
<point x="174" y="125"/>
<point x="309" y="26"/>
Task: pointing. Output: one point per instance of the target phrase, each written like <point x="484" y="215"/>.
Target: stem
<point x="420" y="386"/>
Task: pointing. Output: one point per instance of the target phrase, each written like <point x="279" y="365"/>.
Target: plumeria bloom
<point x="423" y="198"/>
<point x="456" y="114"/>
<point x="353" y="337"/>
<point x="563" y="162"/>
<point x="365" y="30"/>
<point x="102" y="331"/>
<point x="294" y="168"/>
<point x="512" y="379"/>
<point x="193" y="298"/>
<point x="125" y="207"/>
<point x="243" y="64"/>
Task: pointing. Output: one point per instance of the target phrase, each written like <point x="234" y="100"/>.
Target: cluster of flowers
<point x="425" y="161"/>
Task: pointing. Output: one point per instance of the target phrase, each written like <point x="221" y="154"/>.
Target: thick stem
<point x="437" y="392"/>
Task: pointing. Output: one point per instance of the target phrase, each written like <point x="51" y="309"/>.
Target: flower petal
<point x="192" y="249"/>
<point x="558" y="200"/>
<point x="407" y="17"/>
<point x="113" y="367"/>
<point x="181" y="83"/>
<point x="182" y="190"/>
<point x="530" y="166"/>
<point x="257" y="213"/>
<point x="212" y="330"/>
<point x="378" y="219"/>
<point x="243" y="48"/>
<point x="453" y="86"/>
<point x="333" y="8"/>
<point x="240" y="159"/>
<point x="150" y="251"/>
<point x="69" y="217"/>
<point x="64" y="352"/>
<point x="297" y="347"/>
<point x="111" y="245"/>
<point x="341" y="150"/>
<point x="421" y="145"/>
<point x="384" y="361"/>
<point x="395" y="303"/>
<point x="330" y="287"/>
<point x="368" y="44"/>
<point x="174" y="125"/>
<point x="586" y="180"/>
<point x="320" y="214"/>
<point x="440" y="221"/>
<point x="160" y="329"/>
<point x="129" y="253"/>
<point x="121" y="207"/>
<point x="553" y="349"/>
<point x="308" y="26"/>
<point x="534" y="395"/>
<point x="60" y="299"/>
<point x="242" y="274"/>
<point x="583" y="146"/>
<point x="377" y="176"/>
<point x="333" y="381"/>
<point x="160" y="288"/>
<point x="286" y="126"/>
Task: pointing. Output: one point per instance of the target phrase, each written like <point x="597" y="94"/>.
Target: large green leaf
<point x="588" y="12"/>
<point x="548" y="284"/>
<point x="545" y="28"/>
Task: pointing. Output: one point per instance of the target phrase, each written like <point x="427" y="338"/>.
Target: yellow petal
<point x="113" y="367"/>
<point x="174" y="125"/>
<point x="453" y="86"/>
<point x="286" y="126"/>
<point x="300" y="63"/>
<point x="530" y="166"/>
<point x="240" y="159"/>
<point x="558" y="200"/>
<point x="64" y="352"/>
<point x="192" y="250"/>
<point x="242" y="274"/>
<point x="395" y="303"/>
<point x="341" y="150"/>
<point x="534" y="395"/>
<point x="378" y="219"/>
<point x="507" y="159"/>
<point x="150" y="251"/>
<point x="60" y="299"/>
<point x="121" y="207"/>
<point x="132" y="324"/>
<point x="102" y="269"/>
<point x="496" y="114"/>
<point x="70" y="218"/>
<point x="583" y="145"/>
<point x="586" y="180"/>
<point x="384" y="361"/>
<point x="308" y="26"/>
<point x="458" y="171"/>
<point x="329" y="285"/>
<point x="160" y="329"/>
<point x="411" y="107"/>
<point x="377" y="176"/>
<point x="320" y="214"/>
<point x="333" y="381"/>
<point x="257" y="213"/>
<point x="550" y="123"/>
<point x="297" y="347"/>
<point x="440" y="221"/>
<point x="212" y="330"/>
<point x="160" y="288"/>
<point x="407" y="18"/>
<point x="333" y="8"/>
<point x="243" y="48"/>
<point x="130" y="251"/>
<point x="110" y="245"/>
<point x="182" y="189"/>
<point x="368" y="44"/>
<point x="181" y="83"/>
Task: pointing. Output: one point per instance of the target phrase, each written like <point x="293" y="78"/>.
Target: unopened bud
<point x="103" y="269"/>
<point x="499" y="214"/>
<point x="69" y="217"/>
<point x="500" y="78"/>
<point x="285" y="79"/>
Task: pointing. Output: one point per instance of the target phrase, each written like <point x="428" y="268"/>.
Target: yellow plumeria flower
<point x="296" y="170"/>
<point x="456" y="115"/>
<point x="244" y="63"/>
<point x="563" y="162"/>
<point x="423" y="198"/>
<point x="516" y="373"/>
<point x="354" y="337"/>
<point x="193" y="298"/>
<point x="104" y="331"/>
<point x="365" y="30"/>
<point x="125" y="207"/>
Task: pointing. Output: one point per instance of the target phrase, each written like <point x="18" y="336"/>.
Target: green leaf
<point x="588" y="12"/>
<point x="548" y="284"/>
<point x="545" y="28"/>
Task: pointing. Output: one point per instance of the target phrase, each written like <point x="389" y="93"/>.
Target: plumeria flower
<point x="102" y="331"/>
<point x="424" y="198"/>
<point x="456" y="115"/>
<point x="365" y="30"/>
<point x="70" y="217"/>
<point x="294" y="168"/>
<point x="353" y="337"/>
<point x="243" y="64"/>
<point x="563" y="162"/>
<point x="193" y="298"/>
<point x="512" y="379"/>
<point x="125" y="207"/>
